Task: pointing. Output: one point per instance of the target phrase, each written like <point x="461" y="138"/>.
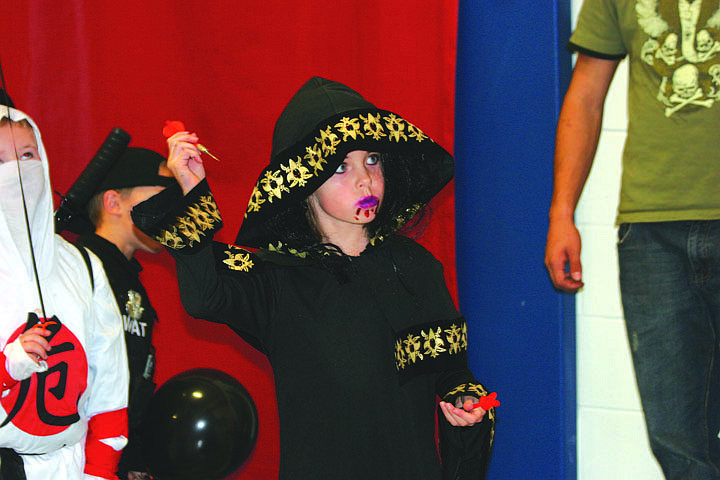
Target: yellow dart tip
<point x="204" y="150"/>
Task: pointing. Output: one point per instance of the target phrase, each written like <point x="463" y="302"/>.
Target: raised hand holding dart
<point x="174" y="126"/>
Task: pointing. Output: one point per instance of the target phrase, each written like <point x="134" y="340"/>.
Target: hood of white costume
<point x="16" y="268"/>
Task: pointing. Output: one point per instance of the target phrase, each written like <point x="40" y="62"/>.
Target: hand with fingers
<point x="464" y="413"/>
<point x="34" y="343"/>
<point x="562" y="255"/>
<point x="185" y="160"/>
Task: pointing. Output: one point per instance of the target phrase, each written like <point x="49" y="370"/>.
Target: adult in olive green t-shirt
<point x="669" y="235"/>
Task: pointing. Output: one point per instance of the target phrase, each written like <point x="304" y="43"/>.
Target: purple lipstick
<point x="369" y="201"/>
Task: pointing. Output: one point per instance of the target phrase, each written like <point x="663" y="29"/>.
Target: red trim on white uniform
<point x="101" y="459"/>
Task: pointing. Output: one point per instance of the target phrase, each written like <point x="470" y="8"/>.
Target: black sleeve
<point x="218" y="282"/>
<point x="214" y="289"/>
<point x="465" y="451"/>
<point x="592" y="53"/>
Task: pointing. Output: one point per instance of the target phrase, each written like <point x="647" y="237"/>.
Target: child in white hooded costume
<point x="64" y="385"/>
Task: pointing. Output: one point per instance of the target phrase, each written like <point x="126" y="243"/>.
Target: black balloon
<point x="201" y="424"/>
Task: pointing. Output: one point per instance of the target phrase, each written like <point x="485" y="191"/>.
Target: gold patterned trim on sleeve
<point x="193" y="225"/>
<point x="431" y="348"/>
<point x="474" y="389"/>
<point x="432" y="342"/>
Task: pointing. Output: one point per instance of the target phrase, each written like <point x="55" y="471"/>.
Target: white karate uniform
<point x="86" y="374"/>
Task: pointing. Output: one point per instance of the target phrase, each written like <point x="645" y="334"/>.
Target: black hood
<point x="322" y="123"/>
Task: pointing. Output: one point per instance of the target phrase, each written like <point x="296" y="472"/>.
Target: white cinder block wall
<point x="612" y="441"/>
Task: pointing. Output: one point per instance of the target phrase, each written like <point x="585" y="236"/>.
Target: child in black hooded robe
<point x="357" y="321"/>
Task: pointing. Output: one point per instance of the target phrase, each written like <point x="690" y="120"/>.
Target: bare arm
<point x="578" y="132"/>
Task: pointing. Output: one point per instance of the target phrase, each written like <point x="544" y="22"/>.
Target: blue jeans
<point x="670" y="284"/>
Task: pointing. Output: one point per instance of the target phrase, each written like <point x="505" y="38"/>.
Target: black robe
<point x="360" y="346"/>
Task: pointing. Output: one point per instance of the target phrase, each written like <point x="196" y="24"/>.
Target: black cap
<point x="136" y="167"/>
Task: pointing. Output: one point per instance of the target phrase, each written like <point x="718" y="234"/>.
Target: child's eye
<point x="341" y="168"/>
<point x="373" y="159"/>
<point x="27" y="155"/>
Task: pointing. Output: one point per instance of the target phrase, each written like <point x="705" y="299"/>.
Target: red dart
<point x="173" y="126"/>
<point x="487" y="402"/>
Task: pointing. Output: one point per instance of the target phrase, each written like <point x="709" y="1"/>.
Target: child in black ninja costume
<point x="356" y="320"/>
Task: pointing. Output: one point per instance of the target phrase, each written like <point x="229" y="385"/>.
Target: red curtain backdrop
<point x="226" y="69"/>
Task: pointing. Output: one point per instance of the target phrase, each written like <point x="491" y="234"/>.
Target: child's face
<point x="352" y="195"/>
<point x="24" y="143"/>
